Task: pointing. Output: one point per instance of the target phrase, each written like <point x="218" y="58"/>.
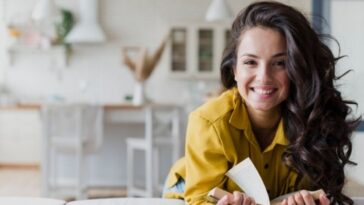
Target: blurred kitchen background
<point x="74" y="51"/>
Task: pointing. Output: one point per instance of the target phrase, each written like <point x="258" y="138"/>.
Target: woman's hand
<point x="304" y="198"/>
<point x="236" y="198"/>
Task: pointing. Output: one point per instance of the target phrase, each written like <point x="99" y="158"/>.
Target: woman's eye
<point x="249" y="62"/>
<point x="281" y="63"/>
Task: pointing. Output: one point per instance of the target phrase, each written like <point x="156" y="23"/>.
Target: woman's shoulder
<point x="217" y="108"/>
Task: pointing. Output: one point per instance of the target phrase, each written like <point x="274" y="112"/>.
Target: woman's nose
<point x="264" y="73"/>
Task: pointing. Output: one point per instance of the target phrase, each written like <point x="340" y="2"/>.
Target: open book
<point x="252" y="184"/>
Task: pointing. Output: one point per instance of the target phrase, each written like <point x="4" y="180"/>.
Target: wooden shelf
<point x="58" y="53"/>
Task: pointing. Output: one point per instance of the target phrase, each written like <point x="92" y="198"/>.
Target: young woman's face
<point x="260" y="71"/>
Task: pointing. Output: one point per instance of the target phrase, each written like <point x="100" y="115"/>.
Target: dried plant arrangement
<point x="143" y="66"/>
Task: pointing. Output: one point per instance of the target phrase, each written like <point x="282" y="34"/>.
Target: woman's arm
<point x="206" y="163"/>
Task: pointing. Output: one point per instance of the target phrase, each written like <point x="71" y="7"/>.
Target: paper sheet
<point x="246" y="176"/>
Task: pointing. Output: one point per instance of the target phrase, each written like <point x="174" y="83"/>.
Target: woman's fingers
<point x="302" y="197"/>
<point x="298" y="199"/>
<point x="248" y="200"/>
<point x="307" y="197"/>
<point x="324" y="200"/>
<point x="291" y="201"/>
<point x="238" y="197"/>
<point x="225" y="200"/>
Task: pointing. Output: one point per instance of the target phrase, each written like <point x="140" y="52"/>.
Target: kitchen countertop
<point x="20" y="107"/>
<point x="37" y="106"/>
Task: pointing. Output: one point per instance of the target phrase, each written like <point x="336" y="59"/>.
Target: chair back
<point x="92" y="127"/>
<point x="163" y="124"/>
<point x="77" y="123"/>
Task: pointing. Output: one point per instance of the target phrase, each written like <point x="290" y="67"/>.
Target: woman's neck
<point x="264" y="125"/>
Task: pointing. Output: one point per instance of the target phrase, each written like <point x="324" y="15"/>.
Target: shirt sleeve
<point x="206" y="163"/>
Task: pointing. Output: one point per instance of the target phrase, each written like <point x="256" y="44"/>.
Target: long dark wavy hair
<point x="315" y="115"/>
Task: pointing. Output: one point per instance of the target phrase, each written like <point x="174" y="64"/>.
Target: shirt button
<point x="266" y="166"/>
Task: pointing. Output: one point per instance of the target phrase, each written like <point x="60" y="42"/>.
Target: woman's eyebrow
<point x="248" y="55"/>
<point x="279" y="54"/>
<point x="255" y="56"/>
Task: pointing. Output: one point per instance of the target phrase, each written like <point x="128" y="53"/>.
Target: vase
<point x="139" y="94"/>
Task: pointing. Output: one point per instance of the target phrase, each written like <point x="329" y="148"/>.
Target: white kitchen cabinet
<point x="20" y="134"/>
<point x="196" y="49"/>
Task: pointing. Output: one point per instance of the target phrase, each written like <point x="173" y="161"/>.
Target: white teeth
<point x="263" y="92"/>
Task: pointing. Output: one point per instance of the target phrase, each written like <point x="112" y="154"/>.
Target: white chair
<point x="69" y="129"/>
<point x="162" y="128"/>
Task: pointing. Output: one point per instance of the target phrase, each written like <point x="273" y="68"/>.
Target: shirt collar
<point x="279" y="138"/>
<point x="240" y="118"/>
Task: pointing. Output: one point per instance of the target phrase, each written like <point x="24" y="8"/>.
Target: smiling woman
<point x="281" y="109"/>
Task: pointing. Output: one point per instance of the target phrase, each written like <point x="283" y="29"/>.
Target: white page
<point x="246" y="176"/>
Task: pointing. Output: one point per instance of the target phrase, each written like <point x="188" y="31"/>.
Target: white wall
<point x="347" y="19"/>
<point x="355" y="180"/>
<point x="137" y="23"/>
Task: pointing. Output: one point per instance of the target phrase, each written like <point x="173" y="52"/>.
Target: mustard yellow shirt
<point x="219" y="136"/>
